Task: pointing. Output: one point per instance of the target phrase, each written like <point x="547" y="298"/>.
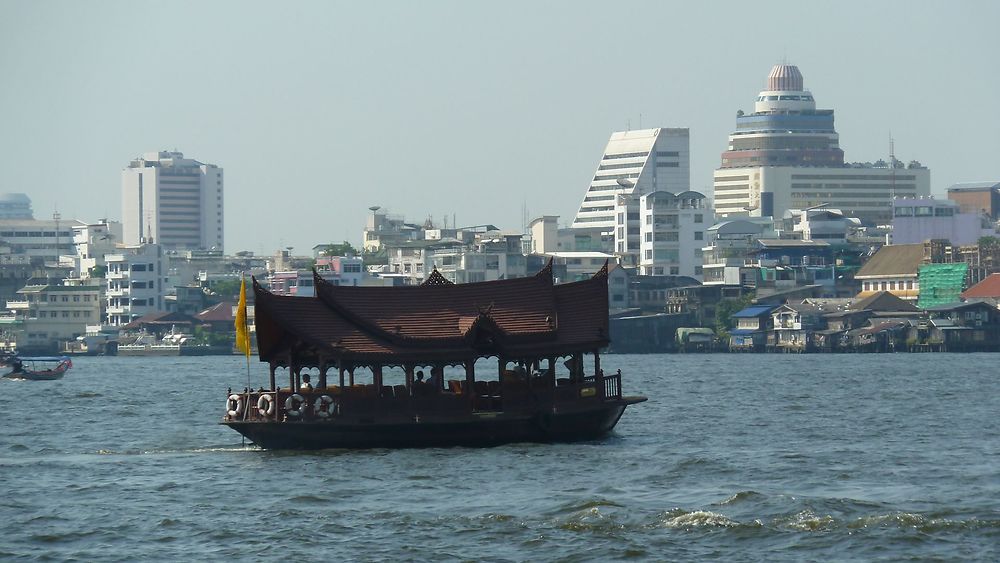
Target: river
<point x="734" y="457"/>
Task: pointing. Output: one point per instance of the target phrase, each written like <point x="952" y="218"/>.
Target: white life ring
<point x="234" y="405"/>
<point x="297" y="401"/>
<point x="323" y="408"/>
<point x="265" y="405"/>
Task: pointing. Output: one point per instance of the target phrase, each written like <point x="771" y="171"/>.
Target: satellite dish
<point x="625" y="183"/>
<point x="375" y="208"/>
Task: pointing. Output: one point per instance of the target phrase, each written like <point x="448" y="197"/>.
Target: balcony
<point x="18" y="305"/>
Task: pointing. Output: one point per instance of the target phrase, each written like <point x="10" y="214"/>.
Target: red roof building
<point x="989" y="288"/>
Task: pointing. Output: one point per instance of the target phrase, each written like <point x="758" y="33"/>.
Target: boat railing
<point x="325" y="404"/>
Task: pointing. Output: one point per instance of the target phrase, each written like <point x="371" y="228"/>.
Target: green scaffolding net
<point x="941" y="284"/>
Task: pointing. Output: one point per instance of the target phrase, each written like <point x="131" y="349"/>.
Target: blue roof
<point x="754" y="311"/>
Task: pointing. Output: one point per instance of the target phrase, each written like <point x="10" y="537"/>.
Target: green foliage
<point x="343" y="249"/>
<point x="724" y="321"/>
<point x="227" y="289"/>
<point x="205" y="336"/>
<point x="988" y="243"/>
<point x="98" y="271"/>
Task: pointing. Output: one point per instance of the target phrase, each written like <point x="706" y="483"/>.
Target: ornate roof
<point x="522" y="317"/>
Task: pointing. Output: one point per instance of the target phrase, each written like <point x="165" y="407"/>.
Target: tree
<point x="343" y="249"/>
<point x="724" y="311"/>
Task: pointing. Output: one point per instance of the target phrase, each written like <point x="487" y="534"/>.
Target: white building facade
<point x="176" y="202"/>
<point x="635" y="163"/>
<point x="136" y="285"/>
<point x="672" y="233"/>
<point x="46" y="314"/>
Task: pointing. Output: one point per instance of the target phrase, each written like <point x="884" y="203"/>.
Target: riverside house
<point x="959" y="327"/>
<point x="753" y="324"/>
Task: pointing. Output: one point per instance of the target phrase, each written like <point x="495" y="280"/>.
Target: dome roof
<point x="785" y="77"/>
<point x="14" y="198"/>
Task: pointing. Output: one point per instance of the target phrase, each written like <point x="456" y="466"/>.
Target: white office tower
<point x="635" y="163"/>
<point x="173" y="201"/>
<point x="786" y="155"/>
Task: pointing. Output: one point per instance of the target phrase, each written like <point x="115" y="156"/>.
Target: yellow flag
<point x="242" y="334"/>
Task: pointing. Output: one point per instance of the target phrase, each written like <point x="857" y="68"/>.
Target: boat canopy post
<point x="323" y="366"/>
<point x="340" y="370"/>
<point x="377" y="377"/>
<point x="272" y="366"/>
<point x="350" y="370"/>
<point x="470" y="379"/>
<point x="597" y="362"/>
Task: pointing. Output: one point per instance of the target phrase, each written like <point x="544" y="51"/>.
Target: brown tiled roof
<point x="516" y="317"/>
<point x="894" y="260"/>
<point x="219" y="312"/>
<point x="989" y="287"/>
<point x="884" y="301"/>
<point x="162" y="318"/>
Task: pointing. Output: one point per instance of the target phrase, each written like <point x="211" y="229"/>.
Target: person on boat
<point x="435" y="379"/>
<point x="306" y="386"/>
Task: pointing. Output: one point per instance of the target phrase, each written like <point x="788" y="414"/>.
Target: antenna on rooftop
<point x="892" y="167"/>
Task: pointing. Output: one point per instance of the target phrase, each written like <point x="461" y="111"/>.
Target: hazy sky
<point x="318" y="110"/>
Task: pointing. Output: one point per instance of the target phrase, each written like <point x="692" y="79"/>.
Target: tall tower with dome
<point x="786" y="155"/>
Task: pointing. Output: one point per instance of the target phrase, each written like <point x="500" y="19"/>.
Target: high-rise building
<point x="15" y="206"/>
<point x="636" y="163"/>
<point x="786" y="155"/>
<point x="173" y="201"/>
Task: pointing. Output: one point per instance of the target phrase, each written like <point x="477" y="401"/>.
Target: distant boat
<point x="38" y="368"/>
<point x="174" y="343"/>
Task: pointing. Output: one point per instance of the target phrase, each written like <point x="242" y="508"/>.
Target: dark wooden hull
<point x="474" y="430"/>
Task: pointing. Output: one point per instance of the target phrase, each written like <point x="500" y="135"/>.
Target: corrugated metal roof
<point x="754" y="311"/>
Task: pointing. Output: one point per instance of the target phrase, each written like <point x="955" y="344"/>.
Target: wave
<point x="698" y="519"/>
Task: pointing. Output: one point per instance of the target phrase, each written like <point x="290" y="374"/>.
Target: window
<point x="649" y="236"/>
<point x="649" y="255"/>
<point x="649" y="219"/>
<point x="65" y="298"/>
<point x="674" y="270"/>
<point x="76" y="298"/>
<point x="892" y="285"/>
<point x="699" y="235"/>
<point x="699" y="218"/>
<point x="65" y="314"/>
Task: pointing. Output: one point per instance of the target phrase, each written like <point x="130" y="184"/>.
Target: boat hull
<point x="474" y="430"/>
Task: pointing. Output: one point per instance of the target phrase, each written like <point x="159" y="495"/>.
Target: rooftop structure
<point x="918" y="220"/>
<point x="977" y="197"/>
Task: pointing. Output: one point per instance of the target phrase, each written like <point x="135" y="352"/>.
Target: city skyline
<point x="318" y="111"/>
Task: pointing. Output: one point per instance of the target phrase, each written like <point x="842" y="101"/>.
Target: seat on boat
<point x="455" y="386"/>
<point x="400" y="391"/>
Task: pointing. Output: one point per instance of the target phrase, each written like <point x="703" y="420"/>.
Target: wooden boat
<point x="38" y="367"/>
<point x="548" y="384"/>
